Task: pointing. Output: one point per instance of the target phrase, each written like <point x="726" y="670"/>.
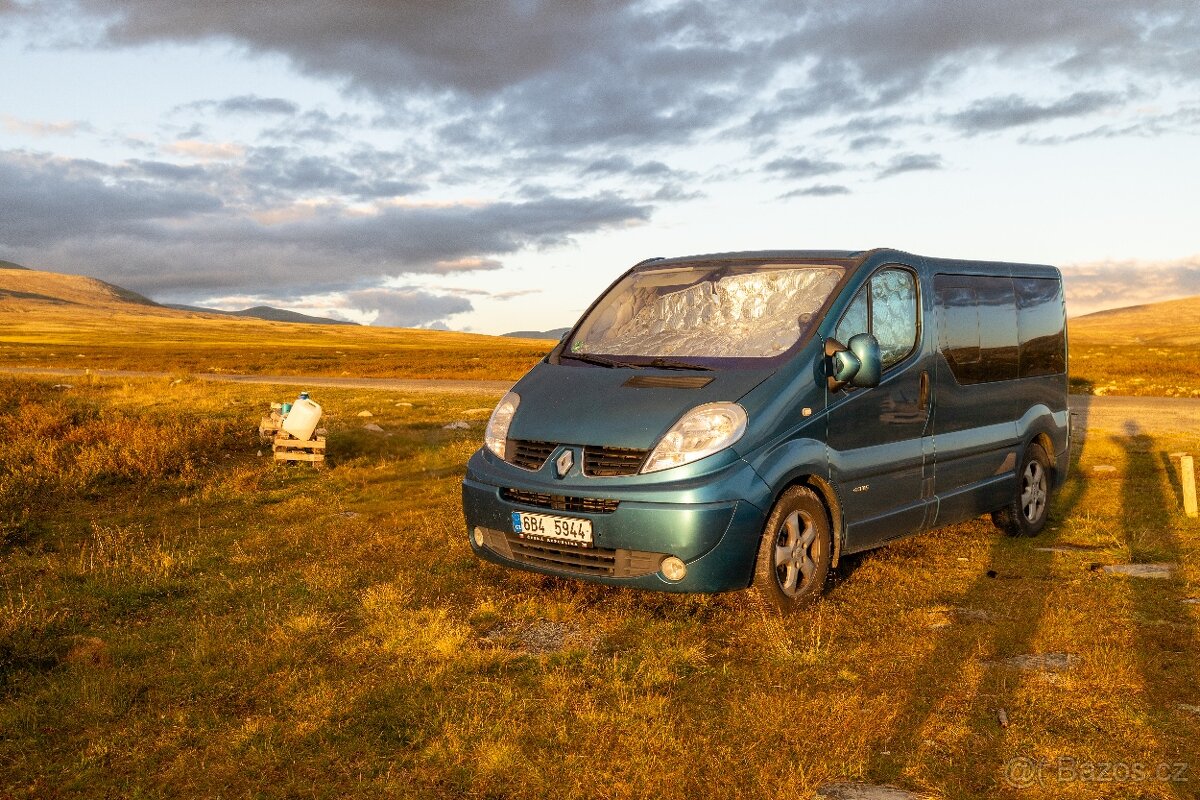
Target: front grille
<point x="529" y="455"/>
<point x="558" y="502"/>
<point x="572" y="559"/>
<point x="600" y="462"/>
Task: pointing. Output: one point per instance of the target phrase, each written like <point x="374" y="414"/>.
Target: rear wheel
<point x="795" y="551"/>
<point x="1025" y="515"/>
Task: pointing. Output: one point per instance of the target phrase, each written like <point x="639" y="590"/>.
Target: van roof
<point x="855" y="258"/>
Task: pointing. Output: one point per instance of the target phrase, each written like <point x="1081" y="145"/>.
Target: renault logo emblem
<point x="563" y="463"/>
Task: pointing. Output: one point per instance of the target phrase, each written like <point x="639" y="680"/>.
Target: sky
<point x="494" y="165"/>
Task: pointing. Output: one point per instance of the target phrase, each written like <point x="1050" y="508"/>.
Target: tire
<point x="795" y="551"/>
<point x="1026" y="513"/>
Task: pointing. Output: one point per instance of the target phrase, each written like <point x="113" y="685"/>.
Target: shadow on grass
<point x="1009" y="629"/>
<point x="1164" y="460"/>
<point x="1166" y="639"/>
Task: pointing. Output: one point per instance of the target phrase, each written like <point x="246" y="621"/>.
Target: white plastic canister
<point x="302" y="420"/>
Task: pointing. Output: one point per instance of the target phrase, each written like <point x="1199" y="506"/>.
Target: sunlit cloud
<point x="1113" y="284"/>
<point x="40" y="129"/>
<point x="205" y="151"/>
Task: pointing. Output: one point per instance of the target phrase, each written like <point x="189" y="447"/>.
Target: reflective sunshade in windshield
<point x="707" y="311"/>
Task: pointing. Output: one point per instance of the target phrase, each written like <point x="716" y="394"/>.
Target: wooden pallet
<point x="288" y="448"/>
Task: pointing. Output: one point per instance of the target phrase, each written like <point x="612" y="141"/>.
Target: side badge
<point x="562" y="465"/>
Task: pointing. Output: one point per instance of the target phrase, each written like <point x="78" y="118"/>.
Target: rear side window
<point x="996" y="329"/>
<point x="887" y="308"/>
<point x="1040" y="317"/>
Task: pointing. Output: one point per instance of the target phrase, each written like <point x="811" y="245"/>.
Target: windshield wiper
<point x="599" y="360"/>
<point x="664" y="363"/>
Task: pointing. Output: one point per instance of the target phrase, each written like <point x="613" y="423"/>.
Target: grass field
<point x="180" y="617"/>
<point x="1138" y="350"/>
<point x="52" y="321"/>
<point x="186" y="344"/>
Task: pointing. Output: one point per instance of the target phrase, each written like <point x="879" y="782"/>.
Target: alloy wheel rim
<point x="1033" y="491"/>
<point x="796" y="548"/>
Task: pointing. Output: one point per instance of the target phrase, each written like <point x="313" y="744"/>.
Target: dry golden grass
<point x="1140" y="350"/>
<point x="219" y="625"/>
<point x="49" y="320"/>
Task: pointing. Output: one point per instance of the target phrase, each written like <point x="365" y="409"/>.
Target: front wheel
<point x="1025" y="514"/>
<point x="795" y="551"/>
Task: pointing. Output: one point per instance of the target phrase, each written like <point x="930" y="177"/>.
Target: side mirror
<point x="866" y="347"/>
<point x="840" y="364"/>
<point x="857" y="365"/>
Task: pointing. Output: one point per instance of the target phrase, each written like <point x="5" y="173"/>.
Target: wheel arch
<point x="1044" y="441"/>
<point x="829" y="497"/>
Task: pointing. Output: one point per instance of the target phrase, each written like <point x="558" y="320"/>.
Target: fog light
<point x="673" y="569"/>
<point x="478" y="537"/>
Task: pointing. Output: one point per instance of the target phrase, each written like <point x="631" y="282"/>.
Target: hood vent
<point x="668" y="382"/>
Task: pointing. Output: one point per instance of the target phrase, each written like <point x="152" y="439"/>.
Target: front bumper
<point x="717" y="539"/>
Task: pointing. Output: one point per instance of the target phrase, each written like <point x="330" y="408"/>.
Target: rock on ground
<point x="1157" y="570"/>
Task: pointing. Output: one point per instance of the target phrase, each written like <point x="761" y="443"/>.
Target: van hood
<point x="617" y="407"/>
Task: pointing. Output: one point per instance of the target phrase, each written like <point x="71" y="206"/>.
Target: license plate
<point x="547" y="528"/>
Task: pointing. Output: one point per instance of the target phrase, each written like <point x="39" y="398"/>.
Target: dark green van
<point x="723" y="421"/>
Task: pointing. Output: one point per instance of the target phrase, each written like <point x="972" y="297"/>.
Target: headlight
<point x="700" y="432"/>
<point x="497" y="427"/>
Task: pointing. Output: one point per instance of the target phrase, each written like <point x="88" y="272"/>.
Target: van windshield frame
<point x="708" y="314"/>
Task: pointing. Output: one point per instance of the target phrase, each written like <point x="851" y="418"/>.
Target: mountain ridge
<point x="22" y="288"/>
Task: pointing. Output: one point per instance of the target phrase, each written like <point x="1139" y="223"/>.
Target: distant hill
<point x="1171" y="322"/>
<point x="24" y="289"/>
<point x="265" y="312"/>
<point x="21" y="285"/>
<point x="555" y="334"/>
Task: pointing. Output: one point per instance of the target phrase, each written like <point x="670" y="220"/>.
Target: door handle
<point x="923" y="402"/>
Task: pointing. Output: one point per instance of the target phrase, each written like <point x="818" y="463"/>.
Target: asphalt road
<point x="1149" y="414"/>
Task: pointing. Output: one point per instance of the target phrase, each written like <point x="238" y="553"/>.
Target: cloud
<point x="998" y="113"/>
<point x="551" y="77"/>
<point x="1114" y="284"/>
<point x="912" y="162"/>
<point x="469" y="264"/>
<point x="253" y="104"/>
<point x="1181" y="120"/>
<point x="623" y="165"/>
<point x="801" y="167"/>
<point x="153" y="236"/>
<point x="819" y="190"/>
<point x="44" y="201"/>
<point x="40" y="128"/>
<point x="868" y="141"/>
<point x="407" y="308"/>
<point x="281" y="172"/>
<point x="204" y="151"/>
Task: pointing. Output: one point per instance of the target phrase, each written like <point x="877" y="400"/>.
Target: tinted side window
<point x="959" y="311"/>
<point x="1040" y="323"/>
<point x="978" y="333"/>
<point x="997" y="328"/>
<point x="887" y="308"/>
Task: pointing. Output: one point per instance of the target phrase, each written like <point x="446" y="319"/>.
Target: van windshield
<point x="707" y="311"/>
